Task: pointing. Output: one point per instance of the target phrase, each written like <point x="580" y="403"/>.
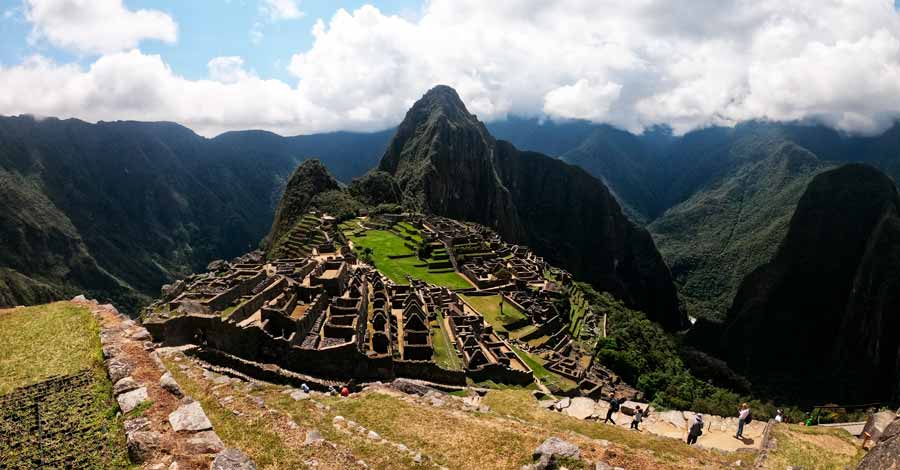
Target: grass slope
<point x="813" y="448"/>
<point x="503" y="438"/>
<point x="81" y="422"/>
<point x="385" y="244"/>
<point x="39" y="342"/>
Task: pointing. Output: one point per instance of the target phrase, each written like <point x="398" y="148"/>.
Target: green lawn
<point x="489" y="307"/>
<point x="42" y="341"/>
<point x="80" y="422"/>
<point x="444" y="351"/>
<point x="540" y="372"/>
<point x="384" y="243"/>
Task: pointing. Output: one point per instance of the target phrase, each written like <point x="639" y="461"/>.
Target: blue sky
<point x="207" y="29"/>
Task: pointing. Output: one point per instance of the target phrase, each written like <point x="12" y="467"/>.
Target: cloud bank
<point x="96" y="26"/>
<point x="630" y="63"/>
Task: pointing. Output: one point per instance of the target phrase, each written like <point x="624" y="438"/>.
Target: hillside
<point x="734" y="224"/>
<point x="830" y="288"/>
<point x="117" y="209"/>
<point x="446" y="162"/>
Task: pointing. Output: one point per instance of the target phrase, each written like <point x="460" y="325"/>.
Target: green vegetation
<point x="39" y="342"/>
<point x="489" y="307"/>
<point x="58" y="341"/>
<point x="387" y="246"/>
<point x="726" y="230"/>
<point x="650" y="359"/>
<point x="444" y="351"/>
<point x="814" y="447"/>
<point x="546" y="377"/>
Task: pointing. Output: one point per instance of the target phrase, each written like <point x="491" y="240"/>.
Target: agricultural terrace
<point x="56" y="404"/>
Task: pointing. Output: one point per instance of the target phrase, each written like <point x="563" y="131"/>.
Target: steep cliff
<point x="826" y="305"/>
<point x="446" y="162"/>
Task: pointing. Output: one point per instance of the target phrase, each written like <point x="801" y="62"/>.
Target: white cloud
<point x="228" y="70"/>
<point x="631" y="63"/>
<point x="278" y="10"/>
<point x="96" y="26"/>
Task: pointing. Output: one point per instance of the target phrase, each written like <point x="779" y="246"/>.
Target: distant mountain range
<point x="717" y="201"/>
<point x="116" y="209"/>
<point x="126" y="206"/>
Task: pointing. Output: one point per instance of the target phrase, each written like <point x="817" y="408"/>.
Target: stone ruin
<point x="314" y="308"/>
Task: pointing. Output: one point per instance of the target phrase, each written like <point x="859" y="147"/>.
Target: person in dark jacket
<point x="696" y="429"/>
<point x="613" y="408"/>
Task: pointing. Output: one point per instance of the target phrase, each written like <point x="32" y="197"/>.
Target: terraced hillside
<point x="56" y="404"/>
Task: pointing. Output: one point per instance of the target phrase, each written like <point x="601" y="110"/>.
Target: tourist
<point x="345" y="392"/>
<point x="304" y="387"/>
<point x="779" y="416"/>
<point x="613" y="408"/>
<point x="696" y="429"/>
<point x="743" y="415"/>
<point x="638" y="417"/>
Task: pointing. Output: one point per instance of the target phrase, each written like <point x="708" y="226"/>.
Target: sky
<point x="300" y="67"/>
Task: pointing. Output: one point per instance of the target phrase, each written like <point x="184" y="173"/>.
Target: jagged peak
<point x="440" y="100"/>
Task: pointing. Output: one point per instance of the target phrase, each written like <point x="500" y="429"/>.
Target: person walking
<point x="613" y="408"/>
<point x="695" y="429"/>
<point x="638" y="417"/>
<point x="743" y="418"/>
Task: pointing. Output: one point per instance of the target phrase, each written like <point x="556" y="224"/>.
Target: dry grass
<point x="38" y="342"/>
<point x="813" y="448"/>
<point x="447" y="436"/>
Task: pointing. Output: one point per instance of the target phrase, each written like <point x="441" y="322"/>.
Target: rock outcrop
<point x="819" y="321"/>
<point x="446" y="162"/>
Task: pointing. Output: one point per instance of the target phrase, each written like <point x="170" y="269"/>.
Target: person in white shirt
<point x="779" y="416"/>
<point x="743" y="413"/>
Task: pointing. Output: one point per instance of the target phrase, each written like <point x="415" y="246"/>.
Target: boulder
<point x="136" y="424"/>
<point x="232" y="459"/>
<point x="580" y="407"/>
<point x="313" y="436"/>
<point x="204" y="442"/>
<point x="126" y="384"/>
<point x="563" y="404"/>
<point x="886" y="453"/>
<point x="110" y="351"/>
<point x="675" y="418"/>
<point x="79" y="298"/>
<point x="374" y="436"/>
<point x="140" y="334"/>
<point x="131" y="400"/>
<point x="141" y="445"/>
<point x="410" y="387"/>
<point x="118" y="369"/>
<point x="168" y="383"/>
<point x="547" y="404"/>
<point x="299" y="395"/>
<point x="189" y="417"/>
<point x="556" y="448"/>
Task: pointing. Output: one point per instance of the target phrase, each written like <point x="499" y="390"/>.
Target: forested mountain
<point x="820" y="320"/>
<point x="116" y="209"/>
<point x="716" y="200"/>
<point x="446" y="162"/>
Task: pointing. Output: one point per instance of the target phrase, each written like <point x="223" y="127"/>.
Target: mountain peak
<point x="441" y="100"/>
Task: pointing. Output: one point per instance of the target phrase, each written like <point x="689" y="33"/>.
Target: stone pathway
<point x="718" y="432"/>
<point x="164" y="429"/>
